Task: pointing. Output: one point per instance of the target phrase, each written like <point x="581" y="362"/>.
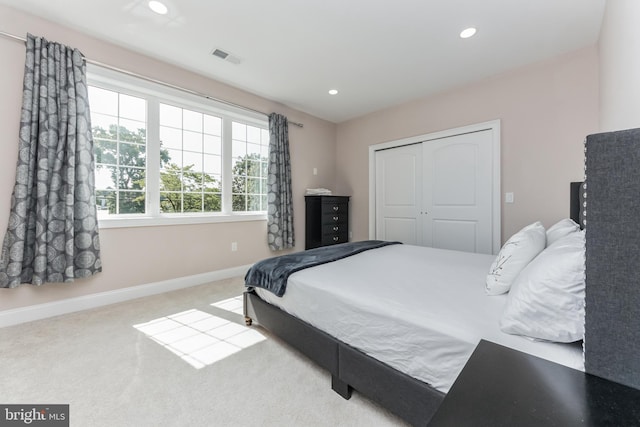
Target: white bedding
<point x="420" y="310"/>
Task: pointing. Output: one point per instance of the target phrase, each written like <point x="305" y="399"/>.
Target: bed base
<point x="410" y="399"/>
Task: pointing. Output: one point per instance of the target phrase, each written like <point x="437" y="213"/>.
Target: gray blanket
<point x="272" y="273"/>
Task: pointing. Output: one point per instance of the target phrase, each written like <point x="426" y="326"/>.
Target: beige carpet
<point x="114" y="374"/>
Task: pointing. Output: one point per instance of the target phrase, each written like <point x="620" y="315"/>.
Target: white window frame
<point x="156" y="93"/>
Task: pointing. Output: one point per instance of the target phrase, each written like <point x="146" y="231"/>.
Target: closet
<point x="440" y="190"/>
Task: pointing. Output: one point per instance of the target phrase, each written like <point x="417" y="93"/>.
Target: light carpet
<point x="114" y="374"/>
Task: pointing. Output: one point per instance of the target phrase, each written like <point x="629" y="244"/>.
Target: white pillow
<point x="561" y="229"/>
<point x="547" y="299"/>
<point x="514" y="255"/>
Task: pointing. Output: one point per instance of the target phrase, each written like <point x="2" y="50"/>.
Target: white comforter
<point x="420" y="310"/>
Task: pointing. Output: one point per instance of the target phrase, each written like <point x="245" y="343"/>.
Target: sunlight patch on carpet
<point x="234" y="305"/>
<point x="200" y="338"/>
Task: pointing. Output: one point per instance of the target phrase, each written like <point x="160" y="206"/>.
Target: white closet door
<point x="399" y="194"/>
<point x="457" y="192"/>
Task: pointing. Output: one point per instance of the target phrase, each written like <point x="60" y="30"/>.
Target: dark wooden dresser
<point x="327" y="220"/>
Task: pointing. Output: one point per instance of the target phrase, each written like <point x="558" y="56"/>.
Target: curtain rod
<point x="149" y="79"/>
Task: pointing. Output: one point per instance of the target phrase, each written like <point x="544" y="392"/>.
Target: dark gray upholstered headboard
<point x="612" y="326"/>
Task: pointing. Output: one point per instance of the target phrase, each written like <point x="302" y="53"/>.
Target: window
<point x="250" y="153"/>
<point x="166" y="156"/>
<point x="190" y="161"/>
<point x="119" y="131"/>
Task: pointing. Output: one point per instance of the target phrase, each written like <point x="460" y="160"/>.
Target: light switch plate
<point x="508" y="197"/>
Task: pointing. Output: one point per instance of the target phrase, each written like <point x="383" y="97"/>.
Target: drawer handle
<point x="336" y="228"/>
<point x="335" y="208"/>
<point x="335" y="218"/>
<point x="335" y="239"/>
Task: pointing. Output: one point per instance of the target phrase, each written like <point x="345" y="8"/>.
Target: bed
<point x="411" y="312"/>
<point x="381" y="293"/>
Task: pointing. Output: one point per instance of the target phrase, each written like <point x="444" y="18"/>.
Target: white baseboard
<point x="42" y="311"/>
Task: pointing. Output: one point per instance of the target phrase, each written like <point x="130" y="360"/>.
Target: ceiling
<point x="376" y="53"/>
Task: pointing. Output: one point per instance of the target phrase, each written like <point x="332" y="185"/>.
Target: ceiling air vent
<point x="226" y="56"/>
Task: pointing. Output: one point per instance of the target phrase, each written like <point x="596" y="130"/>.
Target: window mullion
<point x="153" y="156"/>
<point x="227" y="169"/>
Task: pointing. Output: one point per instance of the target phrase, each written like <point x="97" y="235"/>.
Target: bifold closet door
<point x="457" y="192"/>
<point x="399" y="194"/>
<point x="437" y="193"/>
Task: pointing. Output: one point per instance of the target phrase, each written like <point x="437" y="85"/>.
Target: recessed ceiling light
<point x="333" y="92"/>
<point x="158" y="7"/>
<point x="469" y="32"/>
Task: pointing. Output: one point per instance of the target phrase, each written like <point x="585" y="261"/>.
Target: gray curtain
<point x="280" y="200"/>
<point x="52" y="234"/>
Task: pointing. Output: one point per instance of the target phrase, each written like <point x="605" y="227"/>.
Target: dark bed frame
<point x="612" y="343"/>
<point x="410" y="399"/>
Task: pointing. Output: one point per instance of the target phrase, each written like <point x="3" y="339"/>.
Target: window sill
<point x="147" y="221"/>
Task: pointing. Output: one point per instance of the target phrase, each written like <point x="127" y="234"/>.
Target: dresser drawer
<point x="332" y="239"/>
<point x="335" y="228"/>
<point x="335" y="218"/>
<point x="334" y="207"/>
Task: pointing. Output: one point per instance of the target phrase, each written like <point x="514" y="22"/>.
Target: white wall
<point x="620" y="66"/>
<point x="546" y="110"/>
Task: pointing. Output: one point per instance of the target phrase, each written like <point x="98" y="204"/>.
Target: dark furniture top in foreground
<point x="500" y="386"/>
<point x="326" y="220"/>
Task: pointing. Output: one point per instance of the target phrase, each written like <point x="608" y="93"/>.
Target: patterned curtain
<point x="52" y="234"/>
<point x="280" y="200"/>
